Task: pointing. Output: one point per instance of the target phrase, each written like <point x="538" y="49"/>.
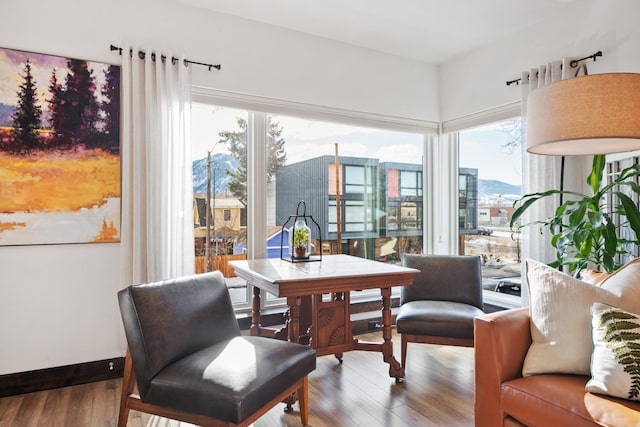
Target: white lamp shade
<point x="594" y="114"/>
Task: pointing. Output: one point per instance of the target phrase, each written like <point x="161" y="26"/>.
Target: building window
<point x="358" y="204"/>
<point x="410" y="216"/>
<point x="410" y="183"/>
<point x="468" y="200"/>
<point x="356" y="217"/>
<point x="226" y="215"/>
<point x="359" y="179"/>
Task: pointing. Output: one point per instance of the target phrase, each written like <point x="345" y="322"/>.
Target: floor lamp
<point x="589" y="115"/>
<point x="594" y="114"/>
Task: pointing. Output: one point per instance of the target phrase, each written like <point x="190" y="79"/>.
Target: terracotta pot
<point x="300" y="252"/>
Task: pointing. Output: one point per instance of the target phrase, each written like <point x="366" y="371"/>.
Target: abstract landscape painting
<point x="59" y="150"/>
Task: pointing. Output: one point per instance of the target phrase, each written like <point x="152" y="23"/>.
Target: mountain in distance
<point x="6" y="111"/>
<point x="220" y="163"/>
<point x="487" y="187"/>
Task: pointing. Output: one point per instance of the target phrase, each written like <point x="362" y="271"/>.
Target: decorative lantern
<point x="300" y="236"/>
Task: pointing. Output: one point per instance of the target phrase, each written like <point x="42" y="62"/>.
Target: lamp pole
<point x="207" y="246"/>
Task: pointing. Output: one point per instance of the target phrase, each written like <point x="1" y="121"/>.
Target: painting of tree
<point x="59" y="150"/>
<point x="26" y="119"/>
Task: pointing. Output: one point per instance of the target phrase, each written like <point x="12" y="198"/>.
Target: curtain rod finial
<point x="119" y="49"/>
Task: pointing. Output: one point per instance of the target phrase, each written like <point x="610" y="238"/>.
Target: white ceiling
<point x="432" y="31"/>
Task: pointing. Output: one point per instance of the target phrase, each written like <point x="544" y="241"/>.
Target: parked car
<point x="485" y="231"/>
<point x="509" y="285"/>
<point x="480" y="230"/>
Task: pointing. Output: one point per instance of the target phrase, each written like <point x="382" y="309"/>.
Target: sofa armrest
<point x="502" y="340"/>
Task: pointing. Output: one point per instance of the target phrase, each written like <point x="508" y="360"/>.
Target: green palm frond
<point x="586" y="231"/>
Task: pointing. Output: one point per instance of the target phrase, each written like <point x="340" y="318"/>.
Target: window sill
<point x="501" y="300"/>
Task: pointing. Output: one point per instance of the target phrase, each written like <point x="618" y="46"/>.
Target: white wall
<point x="476" y="82"/>
<point x="58" y="303"/>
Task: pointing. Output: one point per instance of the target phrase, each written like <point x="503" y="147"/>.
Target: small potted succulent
<point x="300" y="240"/>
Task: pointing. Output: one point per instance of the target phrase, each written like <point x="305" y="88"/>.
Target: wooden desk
<point x="330" y="326"/>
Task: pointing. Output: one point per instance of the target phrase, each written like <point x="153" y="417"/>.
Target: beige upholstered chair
<point x="191" y="363"/>
<point x="440" y="306"/>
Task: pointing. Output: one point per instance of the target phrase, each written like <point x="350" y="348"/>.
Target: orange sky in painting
<point x="55" y="182"/>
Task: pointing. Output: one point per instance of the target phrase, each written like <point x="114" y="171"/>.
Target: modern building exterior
<point x="380" y="203"/>
<point x="467" y="200"/>
<point x="402" y="198"/>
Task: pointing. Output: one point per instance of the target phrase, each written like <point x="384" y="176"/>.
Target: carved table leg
<point x="294" y="318"/>
<point x="255" y="312"/>
<point x="339" y="296"/>
<point x="293" y="327"/>
<point x="395" y="370"/>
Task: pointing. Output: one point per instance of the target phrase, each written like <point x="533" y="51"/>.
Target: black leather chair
<point x="192" y="364"/>
<point x="440" y="305"/>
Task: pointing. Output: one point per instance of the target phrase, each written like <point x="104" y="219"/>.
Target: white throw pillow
<point x="561" y="318"/>
<point x="615" y="364"/>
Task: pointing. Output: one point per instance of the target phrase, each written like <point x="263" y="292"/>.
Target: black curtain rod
<point x="573" y="64"/>
<point x="142" y="54"/>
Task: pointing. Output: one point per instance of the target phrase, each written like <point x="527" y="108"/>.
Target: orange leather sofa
<point x="504" y="398"/>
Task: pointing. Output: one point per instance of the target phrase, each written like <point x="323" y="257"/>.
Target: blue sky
<point x="482" y="148"/>
<point x="479" y="148"/>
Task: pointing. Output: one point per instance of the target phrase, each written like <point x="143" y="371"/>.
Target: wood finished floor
<point x="438" y="391"/>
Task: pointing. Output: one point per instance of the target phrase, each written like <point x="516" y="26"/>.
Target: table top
<point x="335" y="273"/>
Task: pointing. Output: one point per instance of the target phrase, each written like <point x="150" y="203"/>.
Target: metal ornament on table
<point x="300" y="236"/>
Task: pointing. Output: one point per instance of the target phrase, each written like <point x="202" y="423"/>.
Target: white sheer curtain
<point x="542" y="173"/>
<point x="157" y="195"/>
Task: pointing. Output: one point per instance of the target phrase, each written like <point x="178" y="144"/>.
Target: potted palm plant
<point x="583" y="229"/>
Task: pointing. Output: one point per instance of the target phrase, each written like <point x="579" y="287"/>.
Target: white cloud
<point x="303" y="129"/>
<point x="401" y="153"/>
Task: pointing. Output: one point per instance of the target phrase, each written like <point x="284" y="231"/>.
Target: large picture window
<point x="357" y="182"/>
<point x="219" y="161"/>
<point x="489" y="182"/>
<point x="353" y="200"/>
<point x="364" y="186"/>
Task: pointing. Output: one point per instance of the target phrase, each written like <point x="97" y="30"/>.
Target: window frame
<point x="436" y="139"/>
<point x="507" y="112"/>
<point x="260" y="107"/>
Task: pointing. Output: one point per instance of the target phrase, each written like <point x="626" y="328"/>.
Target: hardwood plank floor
<point x="438" y="391"/>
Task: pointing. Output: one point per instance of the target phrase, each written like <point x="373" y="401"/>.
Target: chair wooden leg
<point x="128" y="382"/>
<point x="403" y="349"/>
<point x="303" y="401"/>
